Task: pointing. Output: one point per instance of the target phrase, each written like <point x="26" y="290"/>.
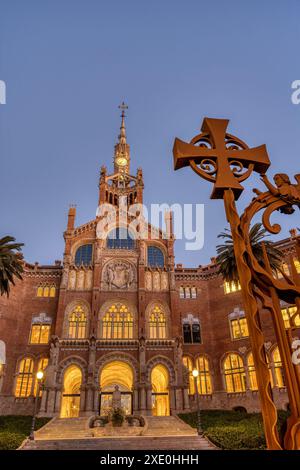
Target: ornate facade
<point x="118" y="311"/>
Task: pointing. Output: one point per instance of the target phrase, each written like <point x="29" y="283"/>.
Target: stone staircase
<point x="161" y="433"/>
<point x="168" y="426"/>
<point x="64" y="428"/>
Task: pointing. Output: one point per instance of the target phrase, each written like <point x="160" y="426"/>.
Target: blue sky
<point x="68" y="64"/>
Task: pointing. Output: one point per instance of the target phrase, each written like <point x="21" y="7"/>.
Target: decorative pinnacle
<point x="122" y="136"/>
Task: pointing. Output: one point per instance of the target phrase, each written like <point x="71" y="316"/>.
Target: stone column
<point x="43" y="402"/>
<point x="179" y="404"/>
<point x="57" y="397"/>
<point x="149" y="400"/>
<point x="186" y="401"/>
<point x="89" y="399"/>
<point x="135" y="398"/>
<point x="96" y="400"/>
<point x="82" y="401"/>
<point x="172" y="400"/>
<point x="142" y="399"/>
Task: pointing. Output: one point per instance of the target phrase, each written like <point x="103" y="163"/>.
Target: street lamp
<point x="39" y="378"/>
<point x="195" y="373"/>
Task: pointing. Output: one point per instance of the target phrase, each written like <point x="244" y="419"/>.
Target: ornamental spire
<point x="122" y="152"/>
<point x="122" y="136"/>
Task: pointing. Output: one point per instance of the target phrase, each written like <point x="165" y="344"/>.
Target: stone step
<point x="133" y="443"/>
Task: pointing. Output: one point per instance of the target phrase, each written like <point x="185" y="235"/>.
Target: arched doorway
<point x="70" y="405"/>
<point x="116" y="373"/>
<point x="160" y="391"/>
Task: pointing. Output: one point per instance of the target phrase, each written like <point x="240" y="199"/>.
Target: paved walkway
<point x="161" y="433"/>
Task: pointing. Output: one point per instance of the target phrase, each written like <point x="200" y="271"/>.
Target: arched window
<point x="24" y="378"/>
<point x="77" y="323"/>
<point x="204" y="378"/>
<point x="84" y="255"/>
<point x="290" y="317"/>
<point x="234" y="372"/>
<point x="120" y="238"/>
<point x="117" y="323"/>
<point x="188" y="363"/>
<point x="278" y="371"/>
<point x="251" y="372"/>
<point x="45" y="290"/>
<point x="157" y="324"/>
<point x="155" y="257"/>
<point x="191" y="330"/>
<point x="42" y="364"/>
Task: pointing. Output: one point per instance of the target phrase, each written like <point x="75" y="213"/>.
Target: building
<point x="118" y="311"/>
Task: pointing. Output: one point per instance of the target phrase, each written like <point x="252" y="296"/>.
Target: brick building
<point x="118" y="312"/>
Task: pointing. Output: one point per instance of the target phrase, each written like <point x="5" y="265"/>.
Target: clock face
<point x="121" y="161"/>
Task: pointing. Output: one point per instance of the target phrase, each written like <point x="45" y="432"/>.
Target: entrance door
<point x="106" y="402"/>
<point x="116" y="373"/>
<point x="160" y="391"/>
<point x="70" y="405"/>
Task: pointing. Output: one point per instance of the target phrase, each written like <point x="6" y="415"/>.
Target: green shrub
<point x="10" y="441"/>
<point x="14" y="429"/>
<point x="233" y="429"/>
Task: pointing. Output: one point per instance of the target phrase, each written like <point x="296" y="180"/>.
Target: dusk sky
<point x="68" y="64"/>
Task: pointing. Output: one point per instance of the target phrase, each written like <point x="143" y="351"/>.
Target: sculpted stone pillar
<point x="142" y="399"/>
<point x="135" y="404"/>
<point x="149" y="400"/>
<point x="186" y="401"/>
<point x="179" y="401"/>
<point x="172" y="399"/>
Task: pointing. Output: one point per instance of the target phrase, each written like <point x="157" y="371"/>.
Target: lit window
<point x="24" y="378"/>
<point x="155" y="257"/>
<point x="83" y="255"/>
<point x="297" y="265"/>
<point x="120" y="238"/>
<point x="231" y="286"/>
<point x="157" y="324"/>
<point x="290" y="317"/>
<point x="234" y="371"/>
<point x="117" y="323"/>
<point x="239" y="328"/>
<point x="43" y="363"/>
<point x="191" y="331"/>
<point x="285" y="269"/>
<point x="46" y="291"/>
<point x="77" y="323"/>
<point x="39" y="334"/>
<point x="252" y="373"/>
<point x="204" y="378"/>
<point x="188" y="363"/>
<point x="278" y="368"/>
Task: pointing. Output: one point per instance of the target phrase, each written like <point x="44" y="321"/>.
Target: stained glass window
<point x="77" y="323"/>
<point x="117" y="323"/>
<point x="155" y="257"/>
<point x="120" y="238"/>
<point x="83" y="255"/>
<point x="157" y="324"/>
<point x="239" y="328"/>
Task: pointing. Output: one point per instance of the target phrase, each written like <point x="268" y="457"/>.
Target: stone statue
<point x="116" y="398"/>
<point x="54" y="350"/>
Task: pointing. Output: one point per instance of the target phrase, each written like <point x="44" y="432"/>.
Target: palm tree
<point x="225" y="253"/>
<point x="10" y="263"/>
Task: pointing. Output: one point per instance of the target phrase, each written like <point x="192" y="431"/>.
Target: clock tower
<point x="121" y="182"/>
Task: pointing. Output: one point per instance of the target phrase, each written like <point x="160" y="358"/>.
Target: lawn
<point x="233" y="430"/>
<point x="14" y="429"/>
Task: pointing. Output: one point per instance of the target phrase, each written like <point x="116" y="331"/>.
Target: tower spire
<point x="122" y="152"/>
<point x="122" y="136"/>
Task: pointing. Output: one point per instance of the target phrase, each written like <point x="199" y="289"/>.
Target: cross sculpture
<point x="226" y="161"/>
<point x="220" y="157"/>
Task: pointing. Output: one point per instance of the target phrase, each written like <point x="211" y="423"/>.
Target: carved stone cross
<point x="220" y="157"/>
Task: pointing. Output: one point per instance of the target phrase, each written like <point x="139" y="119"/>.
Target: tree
<point x="10" y="263"/>
<point x="225" y="253"/>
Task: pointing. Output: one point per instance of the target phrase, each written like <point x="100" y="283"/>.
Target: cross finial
<point x="123" y="106"/>
<point x="220" y="157"/>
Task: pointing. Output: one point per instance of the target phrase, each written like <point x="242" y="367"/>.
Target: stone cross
<point x="220" y="157"/>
